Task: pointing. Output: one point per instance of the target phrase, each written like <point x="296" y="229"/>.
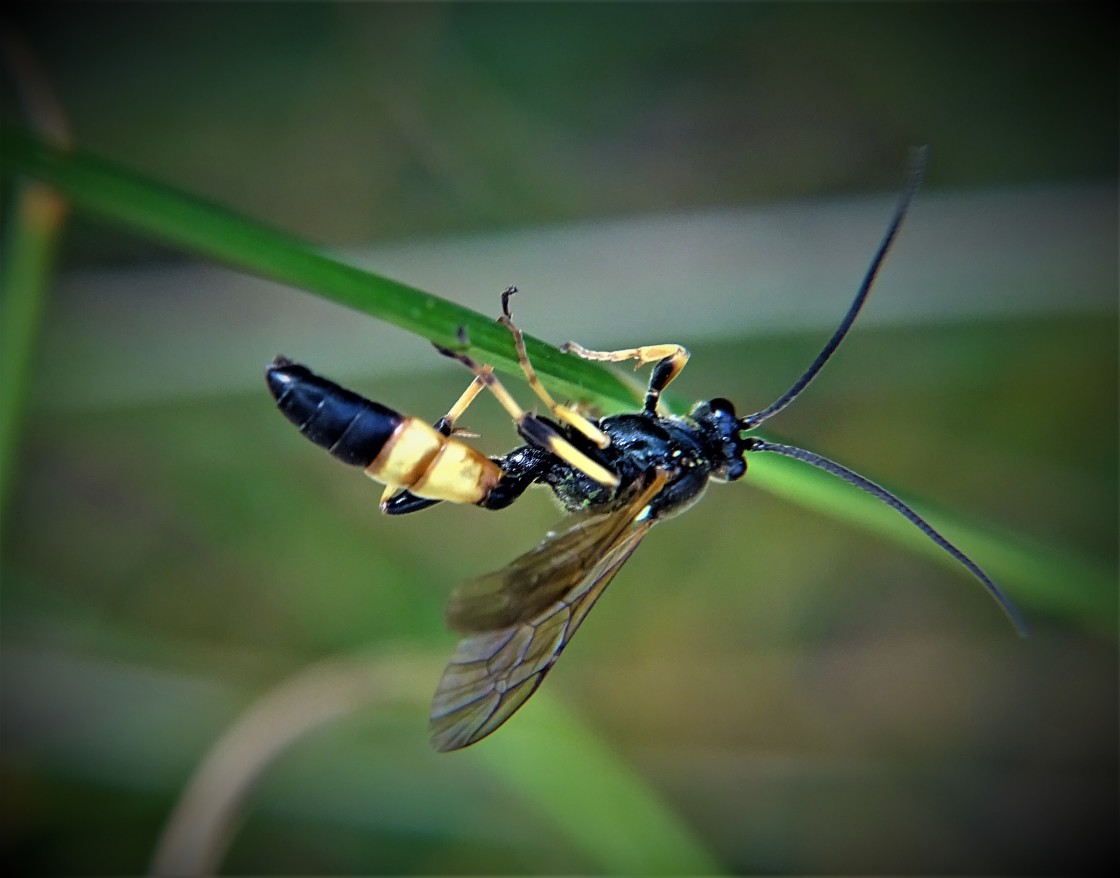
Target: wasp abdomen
<point x="395" y="449"/>
<point x="351" y="427"/>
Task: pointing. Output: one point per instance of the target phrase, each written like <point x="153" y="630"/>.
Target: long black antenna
<point x="881" y="493"/>
<point x="917" y="170"/>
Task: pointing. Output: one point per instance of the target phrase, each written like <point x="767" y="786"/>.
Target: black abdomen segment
<point x="351" y="427"/>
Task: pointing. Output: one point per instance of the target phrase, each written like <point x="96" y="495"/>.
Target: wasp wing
<point x="536" y="580"/>
<point x="542" y="597"/>
<point x="492" y="673"/>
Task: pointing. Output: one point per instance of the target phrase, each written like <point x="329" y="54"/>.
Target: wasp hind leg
<point x="446" y="424"/>
<point x="400" y="501"/>
<point x="532" y="428"/>
<point x="670" y="359"/>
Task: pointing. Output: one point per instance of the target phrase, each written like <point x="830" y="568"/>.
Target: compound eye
<point x="719" y="404"/>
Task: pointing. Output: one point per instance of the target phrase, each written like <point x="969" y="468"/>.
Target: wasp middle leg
<point x="535" y="430"/>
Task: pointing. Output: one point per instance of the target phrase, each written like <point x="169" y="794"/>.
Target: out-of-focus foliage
<point x="803" y="697"/>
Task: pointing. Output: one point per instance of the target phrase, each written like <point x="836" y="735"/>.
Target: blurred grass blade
<point x="28" y="257"/>
<point x="599" y="803"/>
<point x="212" y="231"/>
<point x="28" y="250"/>
<point x="554" y="765"/>
<point x="1048" y="579"/>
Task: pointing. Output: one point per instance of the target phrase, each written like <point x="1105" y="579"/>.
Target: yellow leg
<point x="539" y="432"/>
<point x="446" y="424"/>
<point x="670" y="359"/>
<point x="562" y="413"/>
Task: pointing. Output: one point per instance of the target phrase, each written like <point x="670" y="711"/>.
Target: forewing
<point x="538" y="579"/>
<point x="493" y="673"/>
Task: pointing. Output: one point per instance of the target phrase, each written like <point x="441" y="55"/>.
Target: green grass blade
<point x="28" y="258"/>
<point x="210" y="230"/>
<point x="1046" y="579"/>
<point x="610" y="813"/>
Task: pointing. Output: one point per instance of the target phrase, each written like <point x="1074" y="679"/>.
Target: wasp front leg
<point x="670" y="359"/>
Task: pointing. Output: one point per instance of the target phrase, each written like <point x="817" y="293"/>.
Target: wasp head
<point x="723" y="432"/>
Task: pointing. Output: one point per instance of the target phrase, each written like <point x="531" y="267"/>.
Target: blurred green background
<point x="787" y="692"/>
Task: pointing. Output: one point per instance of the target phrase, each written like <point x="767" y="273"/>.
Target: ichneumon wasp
<point x="618" y="476"/>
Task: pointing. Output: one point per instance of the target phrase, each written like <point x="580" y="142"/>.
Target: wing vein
<point x="518" y="620"/>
